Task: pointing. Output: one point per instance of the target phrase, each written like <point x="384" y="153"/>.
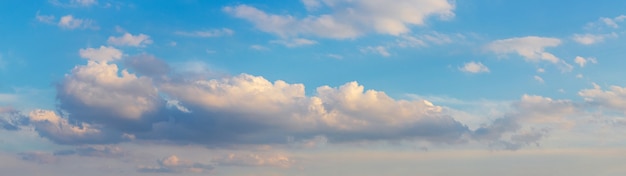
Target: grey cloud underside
<point x="100" y="103"/>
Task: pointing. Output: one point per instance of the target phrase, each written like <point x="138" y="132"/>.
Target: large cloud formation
<point x="101" y="103"/>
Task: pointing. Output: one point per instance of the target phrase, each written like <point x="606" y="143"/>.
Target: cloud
<point x="147" y="65"/>
<point x="613" y="98"/>
<point x="538" y="79"/>
<point x="128" y="39"/>
<point x="48" y="19"/>
<point x="258" y="48"/>
<point x="531" y="48"/>
<point x="424" y="40"/>
<point x="531" y="120"/>
<point x="103" y="54"/>
<point x="347" y="19"/>
<point x="612" y="22"/>
<point x="173" y="164"/>
<point x="99" y="93"/>
<point x="10" y="119"/>
<point x="39" y="157"/>
<point x="581" y="61"/>
<point x="207" y="33"/>
<point x="381" y="50"/>
<point x="254" y="160"/>
<point x="294" y="42"/>
<point x="70" y="22"/>
<point x="48" y="124"/>
<point x="105" y="151"/>
<point x="589" y="39"/>
<point x="74" y="3"/>
<point x="474" y="67"/>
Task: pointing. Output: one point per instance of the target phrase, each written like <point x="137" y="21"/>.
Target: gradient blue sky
<point x="312" y="87"/>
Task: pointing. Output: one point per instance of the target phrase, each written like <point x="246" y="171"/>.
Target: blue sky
<point x="312" y="87"/>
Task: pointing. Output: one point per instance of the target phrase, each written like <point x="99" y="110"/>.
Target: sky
<point x="312" y="87"/>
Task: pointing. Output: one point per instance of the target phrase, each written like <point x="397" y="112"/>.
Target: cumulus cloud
<point x="147" y="65"/>
<point x="474" y="67"/>
<point x="70" y="22"/>
<point x="347" y="19"/>
<point x="102" y="54"/>
<point x="173" y="164"/>
<point x="99" y="93"/>
<point x="128" y="39"/>
<point x="207" y="33"/>
<point x="581" y="61"/>
<point x="531" y="48"/>
<point x="589" y="39"/>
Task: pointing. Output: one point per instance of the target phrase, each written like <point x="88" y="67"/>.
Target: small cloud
<point x="335" y="56"/>
<point x="474" y="67"/>
<point x="74" y="3"/>
<point x="539" y="79"/>
<point x="39" y="157"/>
<point x="259" y="48"/>
<point x="173" y="164"/>
<point x="582" y="61"/>
<point x="173" y="43"/>
<point x="541" y="70"/>
<point x="208" y="51"/>
<point x="295" y="42"/>
<point x="47" y="19"/>
<point x="102" y="54"/>
<point x="381" y="50"/>
<point x="207" y="33"/>
<point x="70" y="22"/>
<point x="128" y="39"/>
<point x="579" y="76"/>
<point x="589" y="39"/>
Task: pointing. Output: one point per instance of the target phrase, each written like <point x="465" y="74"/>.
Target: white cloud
<point x="74" y="3"/>
<point x="614" y="98"/>
<point x="102" y="54"/>
<point x="294" y="42"/>
<point x="312" y="5"/>
<point x="346" y="18"/>
<point x="70" y="22"/>
<point x="424" y="40"/>
<point x="581" y="61"/>
<point x="474" y="67"/>
<point x="381" y="50"/>
<point x="258" y="47"/>
<point x="207" y="33"/>
<point x="128" y="39"/>
<point x="531" y="48"/>
<point x="539" y="79"/>
<point x="541" y="70"/>
<point x="612" y="22"/>
<point x="579" y="76"/>
<point x="173" y="164"/>
<point x="256" y="160"/>
<point x="100" y="87"/>
<point x="48" y="19"/>
<point x="589" y="39"/>
<point x="335" y="56"/>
